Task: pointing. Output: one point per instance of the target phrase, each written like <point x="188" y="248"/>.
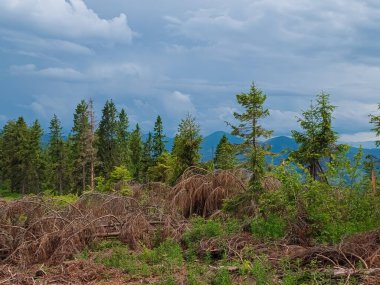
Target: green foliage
<point x="164" y="169"/>
<point x="375" y="120"/>
<point x="147" y="160"/>
<point x="187" y="144"/>
<point x="21" y="158"/>
<point x="318" y="140"/>
<point x="163" y="260"/>
<point x="6" y="194"/>
<point x="261" y="271"/>
<point x="251" y="131"/>
<point x="158" y="138"/>
<point x="135" y="155"/>
<point x="122" y="138"/>
<point x="344" y="172"/>
<point x="83" y="149"/>
<point x="330" y="212"/>
<point x="222" y="277"/>
<point x="118" y="181"/>
<point x="107" y="135"/>
<point x="203" y="228"/>
<point x="58" y="159"/>
<point x="273" y="226"/>
<point x="225" y="156"/>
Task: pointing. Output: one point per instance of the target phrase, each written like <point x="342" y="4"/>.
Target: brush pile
<point x="202" y="192"/>
<point x="35" y="230"/>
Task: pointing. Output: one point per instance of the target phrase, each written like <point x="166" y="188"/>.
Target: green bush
<point x="272" y="227"/>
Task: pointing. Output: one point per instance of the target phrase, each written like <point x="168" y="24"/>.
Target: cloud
<point x="358" y="137"/>
<point x="49" y="73"/>
<point x="69" y="19"/>
<point x="98" y="71"/>
<point x="179" y="104"/>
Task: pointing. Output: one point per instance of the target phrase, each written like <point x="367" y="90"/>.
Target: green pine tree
<point x="225" y="157"/>
<point x="251" y="130"/>
<point x="158" y="138"/>
<point x="318" y="139"/>
<point x="147" y="158"/>
<point x="122" y="138"/>
<point x="107" y="139"/>
<point x="83" y="149"/>
<point x="136" y="148"/>
<point x="187" y="144"/>
<point x="59" y="172"/>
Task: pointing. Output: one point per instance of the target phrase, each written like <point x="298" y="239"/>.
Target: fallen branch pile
<point x="34" y="230"/>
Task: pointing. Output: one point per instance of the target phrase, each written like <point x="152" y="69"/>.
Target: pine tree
<point x="147" y="158"/>
<point x="225" y="157"/>
<point x="318" y="140"/>
<point x="122" y="138"/>
<point x="107" y="135"/>
<point x="58" y="157"/>
<point x="251" y="131"/>
<point x="158" y="139"/>
<point x="35" y="158"/>
<point x="14" y="154"/>
<point x="187" y="143"/>
<point x="136" y="149"/>
<point x="22" y="159"/>
<point x="83" y="146"/>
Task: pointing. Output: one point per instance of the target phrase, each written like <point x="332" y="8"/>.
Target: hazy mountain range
<point x="279" y="145"/>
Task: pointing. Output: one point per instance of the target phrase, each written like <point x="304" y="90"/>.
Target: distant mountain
<point x="281" y="146"/>
<point x="210" y="143"/>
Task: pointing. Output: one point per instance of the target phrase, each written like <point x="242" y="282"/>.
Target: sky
<point x="173" y="57"/>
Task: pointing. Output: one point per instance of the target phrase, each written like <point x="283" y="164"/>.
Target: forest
<point x="107" y="204"/>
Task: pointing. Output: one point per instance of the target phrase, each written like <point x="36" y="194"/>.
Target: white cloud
<point x="179" y="104"/>
<point x="110" y="71"/>
<point x="358" y="137"/>
<point x="98" y="71"/>
<point x="70" y="19"/>
<point x="50" y="72"/>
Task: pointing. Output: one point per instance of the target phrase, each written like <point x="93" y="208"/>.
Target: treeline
<point x="89" y="157"/>
<point x="106" y="156"/>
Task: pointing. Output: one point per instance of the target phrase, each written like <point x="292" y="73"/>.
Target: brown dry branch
<point x="36" y="230"/>
<point x="363" y="249"/>
<point x="202" y="192"/>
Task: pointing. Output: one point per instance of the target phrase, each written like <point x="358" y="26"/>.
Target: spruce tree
<point x="318" y="139"/>
<point x="158" y="138"/>
<point x="136" y="149"/>
<point x="83" y="146"/>
<point x="122" y="138"/>
<point x="22" y="158"/>
<point x="14" y="154"/>
<point x="147" y="158"/>
<point x="225" y="157"/>
<point x="187" y="144"/>
<point x="107" y="136"/>
<point x="35" y="158"/>
<point x="251" y="130"/>
<point x="59" y="172"/>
